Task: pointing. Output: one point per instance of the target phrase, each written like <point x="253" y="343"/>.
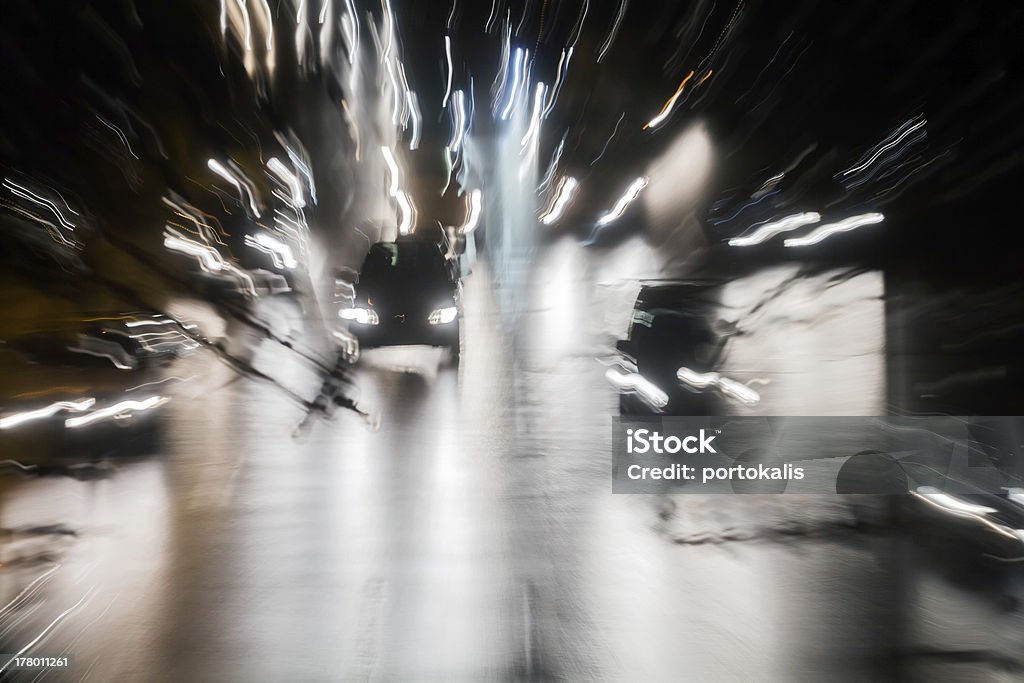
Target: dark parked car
<point x="407" y="293"/>
<point x="672" y="328"/>
<point x="86" y="388"/>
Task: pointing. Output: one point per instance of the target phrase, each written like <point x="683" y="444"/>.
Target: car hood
<point x="401" y="296"/>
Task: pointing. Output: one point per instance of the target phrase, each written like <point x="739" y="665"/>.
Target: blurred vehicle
<point x="124" y="341"/>
<point x="671" y="328"/>
<point x="964" y="511"/>
<point x="85" y="390"/>
<point x="974" y="528"/>
<point x="976" y="540"/>
<point x="406" y="293"/>
<point x="970" y="526"/>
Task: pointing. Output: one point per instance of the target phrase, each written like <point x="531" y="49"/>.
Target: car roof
<point x="406" y="240"/>
<point x="677" y="293"/>
<point x="404" y="256"/>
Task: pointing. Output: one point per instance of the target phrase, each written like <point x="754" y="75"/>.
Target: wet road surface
<point x="473" y="535"/>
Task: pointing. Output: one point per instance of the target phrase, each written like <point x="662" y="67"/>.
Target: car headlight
<point x="443" y="316"/>
<point x="363" y="316"/>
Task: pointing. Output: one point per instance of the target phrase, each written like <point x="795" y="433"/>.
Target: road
<point x="472" y="535"/>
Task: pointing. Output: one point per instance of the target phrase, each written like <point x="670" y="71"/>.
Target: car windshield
<point x="388" y="260"/>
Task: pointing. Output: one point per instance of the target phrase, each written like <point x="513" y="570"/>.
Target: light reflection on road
<point x="473" y="536"/>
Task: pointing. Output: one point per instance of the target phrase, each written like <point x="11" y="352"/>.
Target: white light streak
<point x="307" y="173"/>
<point x="449" y="167"/>
<point x="49" y="627"/>
<point x="878" y="153"/>
<point x="458" y="120"/>
<point x="534" y="129"/>
<point x="498" y="86"/>
<point x="611" y="137"/>
<point x="39" y="579"/>
<point x="243" y="190"/>
<point x="389" y="159"/>
<point x="667" y="109"/>
<point x="631" y="193"/>
<point x="405" y="208"/>
<point x="631" y="382"/>
<point x="614" y="32"/>
<point x="149" y="323"/>
<point x="823" y="232"/>
<point x="417" y="121"/>
<point x="578" y="28"/>
<point x="16" y="419"/>
<point x="31" y="196"/>
<point x="771" y="229"/>
<point x="451" y="69"/>
<point x="404" y="117"/>
<point x="491" y="17"/>
<point x="118" y="410"/>
<point x="120" y="135"/>
<point x="209" y="258"/>
<point x="740" y="392"/>
<point x="396" y="93"/>
<point x="952" y="503"/>
<point x="243" y="8"/>
<point x="386" y="52"/>
<point x="729" y="387"/>
<point x="566" y="191"/>
<point x="289" y="179"/>
<point x="699" y="380"/>
<point x="517" y="68"/>
<point x="549" y="175"/>
<point x="269" y="19"/>
<point x="557" y="87"/>
<point x="282" y="254"/>
<point x="350" y="24"/>
<point x="451" y="15"/>
<point x="406" y="212"/>
<point x="960" y="508"/>
<point x="475" y="210"/>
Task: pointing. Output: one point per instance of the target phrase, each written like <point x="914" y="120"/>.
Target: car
<point x="125" y="341"/>
<point x="406" y="293"/>
<point x="80" y="393"/>
<point x="671" y="331"/>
